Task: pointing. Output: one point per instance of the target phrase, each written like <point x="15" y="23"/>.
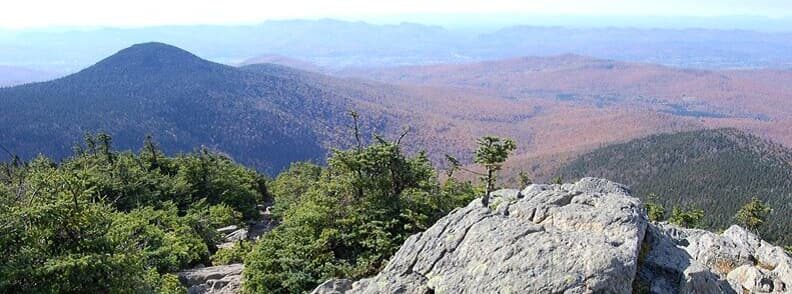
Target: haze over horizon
<point x="772" y="15"/>
<point x="36" y="43"/>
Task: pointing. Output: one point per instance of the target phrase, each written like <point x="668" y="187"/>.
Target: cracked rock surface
<point x="572" y="238"/>
<point x="679" y="260"/>
<point x="586" y="237"/>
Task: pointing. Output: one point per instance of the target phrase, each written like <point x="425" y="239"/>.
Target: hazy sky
<point x="17" y="14"/>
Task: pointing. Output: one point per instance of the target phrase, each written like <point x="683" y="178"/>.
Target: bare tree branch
<point x="404" y="133"/>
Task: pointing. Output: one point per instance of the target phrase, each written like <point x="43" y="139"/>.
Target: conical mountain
<point x="261" y="119"/>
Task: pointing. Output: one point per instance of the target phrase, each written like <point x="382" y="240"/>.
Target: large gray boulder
<point x="572" y="238"/>
<point x="586" y="237"/>
<point x="334" y="286"/>
<point x="679" y="260"/>
<point x="223" y="279"/>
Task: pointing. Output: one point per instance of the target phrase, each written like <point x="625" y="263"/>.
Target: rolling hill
<point x="754" y="100"/>
<point x="282" y="60"/>
<point x="13" y="75"/>
<point x="716" y="170"/>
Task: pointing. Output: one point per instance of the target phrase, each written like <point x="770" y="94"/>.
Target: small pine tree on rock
<point x="687" y="217"/>
<point x="491" y="154"/>
<point x="752" y="215"/>
<point x="655" y="210"/>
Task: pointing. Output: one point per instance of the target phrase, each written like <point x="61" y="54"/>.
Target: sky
<point x="33" y="14"/>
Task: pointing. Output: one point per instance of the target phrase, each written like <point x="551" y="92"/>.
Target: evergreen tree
<point x="525" y="179"/>
<point x="348" y="218"/>
<point x="753" y="214"/>
<point x="105" y="142"/>
<point x="103" y="221"/>
<point x="686" y="217"/>
<point x="491" y="154"/>
<point x="655" y="210"/>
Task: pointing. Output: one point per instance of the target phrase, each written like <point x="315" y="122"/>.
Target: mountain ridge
<point x="715" y="170"/>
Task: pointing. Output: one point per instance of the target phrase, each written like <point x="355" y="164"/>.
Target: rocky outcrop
<point x="677" y="260"/>
<point x="233" y="234"/>
<point x="224" y="279"/>
<point x="334" y="286"/>
<point x="586" y="237"/>
<point x="573" y="238"/>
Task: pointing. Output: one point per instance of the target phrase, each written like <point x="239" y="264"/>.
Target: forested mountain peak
<point x="154" y="56"/>
<point x="265" y="116"/>
<point x="714" y="170"/>
<point x="180" y="99"/>
<point x="153" y="64"/>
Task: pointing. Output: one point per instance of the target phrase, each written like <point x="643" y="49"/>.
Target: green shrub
<point x="233" y="254"/>
<point x="169" y="284"/>
<point x="354" y="216"/>
<point x="110" y="222"/>
<point x="58" y="241"/>
<point x="217" y="179"/>
<point x="290" y="185"/>
<point x="222" y="215"/>
<point x="168" y="242"/>
<point x="688" y="218"/>
<point x="753" y="214"/>
<point x="654" y="209"/>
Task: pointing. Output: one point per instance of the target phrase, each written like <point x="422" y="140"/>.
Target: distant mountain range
<point x="337" y="44"/>
<point x="715" y="170"/>
<point x="12" y="75"/>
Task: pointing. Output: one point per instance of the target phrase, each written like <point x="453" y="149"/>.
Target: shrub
<point x="290" y="185"/>
<point x="168" y="242"/>
<point x="233" y="254"/>
<point x="58" y="241"/>
<point x="753" y="214"/>
<point x="167" y="284"/>
<point x="222" y="215"/>
<point x="688" y="218"/>
<point x="654" y="209"/>
<point x="355" y="215"/>
<point x="111" y="222"/>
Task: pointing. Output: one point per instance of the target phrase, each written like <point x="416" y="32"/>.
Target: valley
<point x="636" y="98"/>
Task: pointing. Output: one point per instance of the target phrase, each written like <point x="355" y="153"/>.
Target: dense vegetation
<point x="104" y="221"/>
<point x="717" y="171"/>
<point x="108" y="221"/>
<point x="348" y="218"/>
